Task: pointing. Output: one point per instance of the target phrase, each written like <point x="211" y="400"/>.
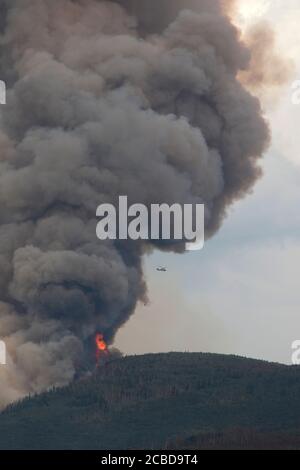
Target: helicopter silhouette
<point x="161" y="269"/>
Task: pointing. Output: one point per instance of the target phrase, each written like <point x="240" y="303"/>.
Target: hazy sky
<point x="240" y="294"/>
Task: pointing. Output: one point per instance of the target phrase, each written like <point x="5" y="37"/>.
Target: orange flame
<point x="101" y="346"/>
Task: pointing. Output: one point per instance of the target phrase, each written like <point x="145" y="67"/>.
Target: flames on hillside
<point x="101" y="347"/>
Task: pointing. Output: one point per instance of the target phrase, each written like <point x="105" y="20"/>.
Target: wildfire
<point x="101" y="346"/>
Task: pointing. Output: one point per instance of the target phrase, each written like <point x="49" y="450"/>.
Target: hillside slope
<point x="159" y="401"/>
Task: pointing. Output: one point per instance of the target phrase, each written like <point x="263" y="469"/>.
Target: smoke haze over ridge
<point x="107" y="98"/>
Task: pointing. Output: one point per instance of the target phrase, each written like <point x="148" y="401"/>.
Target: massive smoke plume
<point x="107" y="98"/>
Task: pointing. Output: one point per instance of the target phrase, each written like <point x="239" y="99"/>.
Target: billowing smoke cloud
<point x="268" y="70"/>
<point x="107" y="98"/>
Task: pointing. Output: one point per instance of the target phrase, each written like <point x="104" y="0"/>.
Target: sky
<point x="240" y="295"/>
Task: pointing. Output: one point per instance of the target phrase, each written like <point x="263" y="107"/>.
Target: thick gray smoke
<point x="136" y="98"/>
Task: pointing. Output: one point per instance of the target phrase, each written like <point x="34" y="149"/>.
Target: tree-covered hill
<point x="175" y="400"/>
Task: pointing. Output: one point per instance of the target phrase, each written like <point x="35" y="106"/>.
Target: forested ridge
<point x="175" y="400"/>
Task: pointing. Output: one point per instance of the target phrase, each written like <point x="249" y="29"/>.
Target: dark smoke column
<point x="107" y="99"/>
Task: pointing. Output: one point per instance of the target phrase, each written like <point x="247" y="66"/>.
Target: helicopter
<point x="161" y="269"/>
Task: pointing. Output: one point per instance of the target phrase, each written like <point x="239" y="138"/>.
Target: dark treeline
<point x="176" y="400"/>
